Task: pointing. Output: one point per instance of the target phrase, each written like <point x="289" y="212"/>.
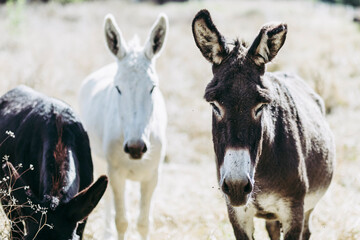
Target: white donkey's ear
<point x="157" y="37"/>
<point x="268" y="43"/>
<point x="114" y="38"/>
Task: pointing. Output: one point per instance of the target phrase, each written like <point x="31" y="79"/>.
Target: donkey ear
<point x="208" y="39"/>
<point x="114" y="38"/>
<point x="157" y="37"/>
<point x="267" y="44"/>
<point x="85" y="201"/>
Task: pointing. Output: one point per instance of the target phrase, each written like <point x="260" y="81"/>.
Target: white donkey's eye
<point x="258" y="109"/>
<point x="118" y="89"/>
<point x="217" y="109"/>
<point x="152" y="89"/>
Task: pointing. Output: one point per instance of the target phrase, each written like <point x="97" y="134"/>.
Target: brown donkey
<point x="274" y="150"/>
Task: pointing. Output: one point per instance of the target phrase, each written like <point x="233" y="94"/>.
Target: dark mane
<point x="60" y="158"/>
<point x="239" y="45"/>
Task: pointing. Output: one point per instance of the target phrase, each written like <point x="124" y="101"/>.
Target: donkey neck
<point x="283" y="145"/>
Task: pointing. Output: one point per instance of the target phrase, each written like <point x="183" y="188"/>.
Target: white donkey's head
<point x="136" y="82"/>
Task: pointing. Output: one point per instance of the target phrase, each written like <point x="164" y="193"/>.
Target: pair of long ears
<point x="214" y="48"/>
<point x="154" y="43"/>
<point x="77" y="209"/>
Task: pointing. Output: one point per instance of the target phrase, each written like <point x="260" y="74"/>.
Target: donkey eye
<point x="118" y="89"/>
<point x="216" y="109"/>
<point x="259" y="108"/>
<point x="152" y="89"/>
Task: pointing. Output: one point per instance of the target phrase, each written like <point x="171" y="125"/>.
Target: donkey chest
<point x="274" y="207"/>
<point x="271" y="207"/>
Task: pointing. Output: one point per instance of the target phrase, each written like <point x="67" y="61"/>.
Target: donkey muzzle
<point x="135" y="149"/>
<point x="237" y="190"/>
<point x="235" y="176"/>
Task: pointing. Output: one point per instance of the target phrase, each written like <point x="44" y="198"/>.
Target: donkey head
<point x="136" y="82"/>
<point x="65" y="218"/>
<point x="61" y="223"/>
<point x="239" y="96"/>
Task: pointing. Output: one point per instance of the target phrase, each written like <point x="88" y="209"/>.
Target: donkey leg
<point x="118" y="187"/>
<point x="242" y="221"/>
<point x="273" y="229"/>
<point x="293" y="224"/>
<point x="306" y="230"/>
<point x="147" y="190"/>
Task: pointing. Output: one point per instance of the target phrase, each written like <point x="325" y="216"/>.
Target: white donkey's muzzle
<point x="135" y="148"/>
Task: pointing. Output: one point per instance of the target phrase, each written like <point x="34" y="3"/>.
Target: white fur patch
<point x="71" y="174"/>
<point x="275" y="204"/>
<point x="236" y="164"/>
<point x="245" y="218"/>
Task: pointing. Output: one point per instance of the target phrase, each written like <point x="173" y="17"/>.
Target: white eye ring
<point x="258" y="110"/>
<point x="217" y="109"/>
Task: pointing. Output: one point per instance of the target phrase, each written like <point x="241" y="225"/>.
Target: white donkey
<point x="124" y="112"/>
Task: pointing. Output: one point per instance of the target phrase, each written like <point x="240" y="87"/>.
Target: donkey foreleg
<point x="118" y="181"/>
<point x="306" y="231"/>
<point x="147" y="190"/>
<point x="273" y="229"/>
<point x="242" y="221"/>
<point x="293" y="226"/>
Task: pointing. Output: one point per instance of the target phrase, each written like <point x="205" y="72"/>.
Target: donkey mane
<point x="60" y="157"/>
<point x="236" y="48"/>
<point x="134" y="50"/>
<point x="239" y="45"/>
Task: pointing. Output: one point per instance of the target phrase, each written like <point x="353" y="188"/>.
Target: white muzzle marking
<point x="236" y="164"/>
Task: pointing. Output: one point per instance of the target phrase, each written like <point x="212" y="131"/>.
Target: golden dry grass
<point x="55" y="46"/>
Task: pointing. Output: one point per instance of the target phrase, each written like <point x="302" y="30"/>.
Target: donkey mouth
<point x="136" y="156"/>
<point x="237" y="201"/>
<point x="135" y="149"/>
<point x="237" y="191"/>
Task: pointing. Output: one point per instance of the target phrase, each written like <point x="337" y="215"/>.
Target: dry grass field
<point x="53" y="47"/>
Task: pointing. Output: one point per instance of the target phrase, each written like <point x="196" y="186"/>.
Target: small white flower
<point x="10" y="133"/>
<point x="20" y="165"/>
<point x="31" y="167"/>
<point x="14" y="200"/>
<point x="26" y="187"/>
<point x="6" y="158"/>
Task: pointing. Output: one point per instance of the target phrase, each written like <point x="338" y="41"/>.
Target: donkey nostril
<point x="144" y="149"/>
<point x="225" y="188"/>
<point x="248" y="187"/>
<point x="126" y="148"/>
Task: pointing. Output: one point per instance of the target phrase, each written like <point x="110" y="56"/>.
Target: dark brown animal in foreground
<point x="273" y="146"/>
<point x="54" y="185"/>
